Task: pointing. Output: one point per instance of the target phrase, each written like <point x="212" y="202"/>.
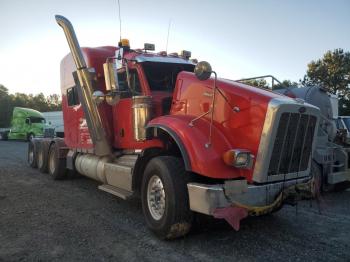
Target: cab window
<point x="37" y="120"/>
<point x="72" y="96"/>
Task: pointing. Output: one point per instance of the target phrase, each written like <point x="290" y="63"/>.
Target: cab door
<point x="122" y="112"/>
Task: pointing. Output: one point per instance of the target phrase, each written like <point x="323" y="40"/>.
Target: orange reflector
<point x="239" y="158"/>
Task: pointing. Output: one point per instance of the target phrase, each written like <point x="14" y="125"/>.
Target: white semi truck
<point x="55" y="126"/>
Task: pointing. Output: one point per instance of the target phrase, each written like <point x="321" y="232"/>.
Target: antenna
<point x="167" y="39"/>
<point x="120" y="22"/>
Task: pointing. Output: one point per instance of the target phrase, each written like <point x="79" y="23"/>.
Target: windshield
<point x="347" y="123"/>
<point x="339" y="124"/>
<point x="162" y="76"/>
<point x="35" y="120"/>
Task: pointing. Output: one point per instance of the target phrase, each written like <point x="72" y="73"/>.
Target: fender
<point x="192" y="141"/>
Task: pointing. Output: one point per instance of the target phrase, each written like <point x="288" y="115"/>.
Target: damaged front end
<point x="236" y="200"/>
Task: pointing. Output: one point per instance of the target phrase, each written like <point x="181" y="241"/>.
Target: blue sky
<point x="239" y="38"/>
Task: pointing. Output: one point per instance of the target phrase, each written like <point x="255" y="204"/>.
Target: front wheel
<point x="164" y="197"/>
<point x="30" y="137"/>
<point x="3" y="136"/>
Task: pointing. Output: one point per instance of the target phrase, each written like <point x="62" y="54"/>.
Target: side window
<point x="72" y="96"/>
<point x="135" y="86"/>
<point x="135" y="83"/>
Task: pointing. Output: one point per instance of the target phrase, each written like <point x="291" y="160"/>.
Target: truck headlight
<point x="240" y="158"/>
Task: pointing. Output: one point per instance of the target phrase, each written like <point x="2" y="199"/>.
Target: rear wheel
<point x="42" y="157"/>
<point x="56" y="166"/>
<point x="32" y="154"/>
<point x="164" y="196"/>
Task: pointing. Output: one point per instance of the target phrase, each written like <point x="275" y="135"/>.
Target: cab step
<point x="123" y="194"/>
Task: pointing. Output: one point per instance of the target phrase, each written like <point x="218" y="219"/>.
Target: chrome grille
<point x="293" y="144"/>
<point x="49" y="132"/>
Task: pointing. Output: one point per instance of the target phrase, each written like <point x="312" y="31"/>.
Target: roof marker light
<point x="185" y="54"/>
<point x="149" y="47"/>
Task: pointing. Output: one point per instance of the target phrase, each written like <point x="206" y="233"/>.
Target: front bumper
<point x="255" y="199"/>
<point x="338" y="177"/>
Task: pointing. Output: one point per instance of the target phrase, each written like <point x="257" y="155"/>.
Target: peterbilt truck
<point x="166" y="129"/>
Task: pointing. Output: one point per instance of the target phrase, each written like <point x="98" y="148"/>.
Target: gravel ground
<point x="71" y="220"/>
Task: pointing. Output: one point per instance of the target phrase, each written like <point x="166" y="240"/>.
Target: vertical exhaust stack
<point x="92" y="115"/>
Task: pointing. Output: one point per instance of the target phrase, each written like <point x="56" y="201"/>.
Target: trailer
<point x="166" y="129"/>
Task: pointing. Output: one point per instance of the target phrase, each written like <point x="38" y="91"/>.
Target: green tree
<point x="38" y="102"/>
<point x="263" y="83"/>
<point x="54" y="102"/>
<point x="3" y="91"/>
<point x="257" y="83"/>
<point x="5" y="106"/>
<point x="285" y="84"/>
<point x="332" y="72"/>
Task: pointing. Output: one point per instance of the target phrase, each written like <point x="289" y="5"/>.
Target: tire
<point x="56" y="166"/>
<point x="32" y="154"/>
<point x="341" y="186"/>
<point x="165" y="177"/>
<point x="42" y="157"/>
<point x="30" y="137"/>
<point x="4" y="136"/>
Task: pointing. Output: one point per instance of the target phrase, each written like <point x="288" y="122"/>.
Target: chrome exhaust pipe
<point x="93" y="118"/>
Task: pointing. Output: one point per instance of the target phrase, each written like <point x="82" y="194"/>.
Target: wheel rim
<point x="52" y="163"/>
<point x="156" y="197"/>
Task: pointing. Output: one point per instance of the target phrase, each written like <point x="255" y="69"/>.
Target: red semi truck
<point x="159" y="126"/>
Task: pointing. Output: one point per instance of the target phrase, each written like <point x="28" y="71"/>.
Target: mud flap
<point x="233" y="215"/>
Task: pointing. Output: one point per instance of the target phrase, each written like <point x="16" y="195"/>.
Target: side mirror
<point x="98" y="97"/>
<point x="111" y="79"/>
<point x="119" y="54"/>
<point x="111" y="76"/>
<point x="203" y="70"/>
